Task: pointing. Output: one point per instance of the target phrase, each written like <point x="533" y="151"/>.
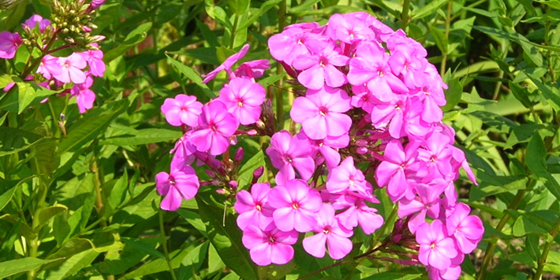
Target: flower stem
<point x="164" y="245"/>
<point x="447" y="27"/>
<point x="404" y="14"/>
<point x="546" y="249"/>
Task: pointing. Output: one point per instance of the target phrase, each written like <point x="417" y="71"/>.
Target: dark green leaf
<point x="439" y="37"/>
<point x="193" y="76"/>
<point x="144" y="136"/>
<point x="132" y="39"/>
<point x="13" y="140"/>
<point x="72" y="265"/>
<point x="145" y="247"/>
<point x="535" y="159"/>
<point x="46" y="214"/>
<point x="453" y="94"/>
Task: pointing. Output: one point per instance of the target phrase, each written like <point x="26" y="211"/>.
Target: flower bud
<point x="257" y="174"/>
<point x="210" y="173"/>
<point x="362" y="142"/>
<point x="95" y="4"/>
<point x="233" y="185"/>
<point x="86" y="29"/>
<point x="252" y="132"/>
<point x="260" y="124"/>
<point x="239" y="155"/>
<point x="362" y="150"/>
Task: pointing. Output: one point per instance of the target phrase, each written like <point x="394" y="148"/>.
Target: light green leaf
<point x="535" y="159"/>
<point x="429" y="9"/>
<point x="7" y="195"/>
<point x="439" y="37"/>
<point x="46" y="214"/>
<point x="132" y="39"/>
<point x="523" y="225"/>
<point x="189" y="73"/>
<point x="239" y="6"/>
<point x="264" y="8"/>
<point x="12" y="267"/>
<point x="193" y="261"/>
<point x="72" y="265"/>
<point x="144" y="136"/>
<point x="119" y="191"/>
<point x="142" y="246"/>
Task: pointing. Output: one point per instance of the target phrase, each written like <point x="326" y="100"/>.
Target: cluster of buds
<point x="74" y="22"/>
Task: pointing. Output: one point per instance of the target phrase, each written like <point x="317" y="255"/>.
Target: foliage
<point x="77" y="191"/>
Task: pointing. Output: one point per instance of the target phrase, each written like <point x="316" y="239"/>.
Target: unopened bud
<point x="252" y="132"/>
<point x="239" y="155"/>
<point x="86" y="29"/>
<point x="96" y="38"/>
<point x="362" y="142"/>
<point x="221" y="191"/>
<point x="362" y="150"/>
<point x="233" y="184"/>
<point x="210" y="173"/>
<point x="260" y="124"/>
<point x="257" y="174"/>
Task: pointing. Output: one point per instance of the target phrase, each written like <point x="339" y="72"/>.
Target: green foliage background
<point x="77" y="194"/>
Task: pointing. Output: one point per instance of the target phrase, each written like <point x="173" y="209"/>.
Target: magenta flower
<point x="178" y="185"/>
<point x="84" y="96"/>
<point x="253" y="208"/>
<point x="228" y="63"/>
<point x="216" y="126"/>
<point x="436" y="156"/>
<point x="436" y="248"/>
<point x="319" y="68"/>
<point x="243" y="98"/>
<point x="289" y="44"/>
<point x="71" y="69"/>
<point x="346" y="177"/>
<point x="350" y="28"/>
<point x="296" y="206"/>
<point x="270" y="245"/>
<point x="360" y="213"/>
<point x="287" y="153"/>
<point x="9" y="43"/>
<point x="392" y="171"/>
<point x="94" y="59"/>
<point x="252" y="69"/>
<point x="321" y="113"/>
<point x="49" y="67"/>
<point x="427" y="201"/>
<point x="467" y="230"/>
<point x="183" y="109"/>
<point x="329" y="231"/>
<point x="35" y="20"/>
<point x="184" y="151"/>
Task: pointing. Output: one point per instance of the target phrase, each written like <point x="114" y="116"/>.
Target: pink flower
<point x="253" y="208"/>
<point x="296" y="206"/>
<point x="329" y="231"/>
<point x="436" y="248"/>
<point x="360" y="213"/>
<point x="349" y="28"/>
<point x="467" y="230"/>
<point x="178" y="185"/>
<point x="347" y="178"/>
<point x="94" y="59"/>
<point x="321" y="113"/>
<point x="216" y="126"/>
<point x="392" y="171"/>
<point x="49" y="67"/>
<point x="9" y="43"/>
<point x="71" y="69"/>
<point x="289" y="44"/>
<point x="319" y="68"/>
<point x="427" y="201"/>
<point x="252" y="69"/>
<point x="35" y="20"/>
<point x="270" y="245"/>
<point x="287" y="153"/>
<point x="183" y="109"/>
<point x="84" y="96"/>
<point x="243" y="98"/>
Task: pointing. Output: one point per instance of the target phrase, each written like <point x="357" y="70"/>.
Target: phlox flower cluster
<point x="368" y="97"/>
<point x="55" y="72"/>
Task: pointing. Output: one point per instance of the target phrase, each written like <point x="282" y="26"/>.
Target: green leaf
<point x="535" y="159"/>
<point x="72" y="265"/>
<point x="132" y="39"/>
<point x="267" y="5"/>
<point x="144" y="136"/>
<point x="46" y="214"/>
<point x="158" y="265"/>
<point x="429" y="9"/>
<point x="7" y="195"/>
<point x="89" y="128"/>
<point x="44" y="159"/>
<point x="12" y="267"/>
<point x="239" y="6"/>
<point x="492" y="185"/>
<point x="193" y="261"/>
<point x="453" y="94"/>
<point x="521" y="94"/>
<point x="119" y="191"/>
<point x="226" y="238"/>
<point x="13" y="140"/>
<point x="30" y="94"/>
<point x="189" y="73"/>
<point x="522" y="134"/>
<point x="528" y="49"/>
<point x="304" y="6"/>
<point x="441" y="40"/>
<point x="142" y="246"/>
<point x="552" y="97"/>
<point x="194" y="219"/>
<point x="555" y="4"/>
<point x="523" y="225"/>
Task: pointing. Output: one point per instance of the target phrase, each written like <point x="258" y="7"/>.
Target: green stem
<point x="384" y="227"/>
<point x="279" y="91"/>
<point x="492" y="246"/>
<point x="404" y="14"/>
<point x="546" y="249"/>
<point x="34" y="241"/>
<point x="233" y="31"/>
<point x="36" y="63"/>
<point x="447" y="27"/>
<point x="164" y="245"/>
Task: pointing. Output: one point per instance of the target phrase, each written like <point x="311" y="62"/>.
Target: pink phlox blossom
<point x="296" y="206"/>
<point x="184" y="152"/>
<point x="253" y="207"/>
<point x="270" y="245"/>
<point x="243" y="98"/>
<point x="290" y="44"/>
<point x="350" y="28"/>
<point x="179" y="184"/>
<point x="35" y="20"/>
<point x="467" y="230"/>
<point x="216" y="126"/>
<point x="437" y="249"/>
<point x="84" y="95"/>
<point x="432" y="96"/>
<point x="451" y="273"/>
<point x="321" y="112"/>
<point x="392" y="172"/>
<point x="347" y="178"/>
<point x="363" y="98"/>
<point x="327" y="149"/>
<point x="359" y="213"/>
<point x="182" y="110"/>
<point x="398" y="41"/>
<point x="413" y="124"/>
<point x="319" y="68"/>
<point x="94" y="59"/>
<point x="381" y="30"/>
<point x="287" y="152"/>
<point x="49" y="67"/>
<point x="405" y="64"/>
<point x="390" y="115"/>
<point x="9" y="43"/>
<point x="427" y="201"/>
<point x="371" y="67"/>
<point x="436" y="156"/>
<point x="330" y="233"/>
<point x="71" y="67"/>
<point x="226" y="65"/>
<point x="458" y="160"/>
<point x="252" y="69"/>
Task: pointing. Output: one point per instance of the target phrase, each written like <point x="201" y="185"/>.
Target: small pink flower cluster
<point x="55" y="72"/>
<point x="210" y="129"/>
<point x="370" y="97"/>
